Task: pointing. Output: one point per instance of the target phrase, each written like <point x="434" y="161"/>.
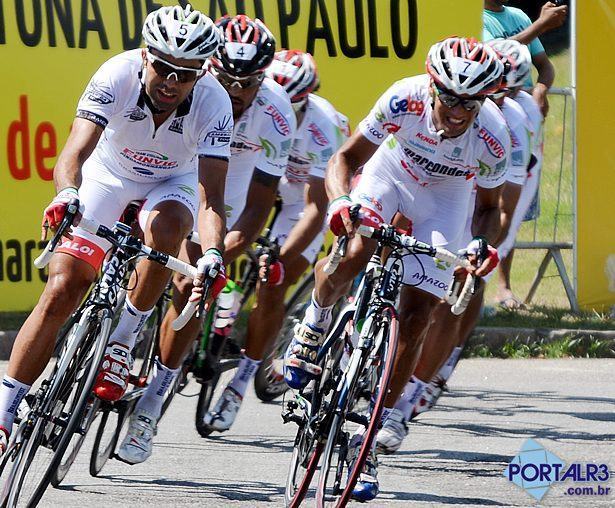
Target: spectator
<point x="510" y="22"/>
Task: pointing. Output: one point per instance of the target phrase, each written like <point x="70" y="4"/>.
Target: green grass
<point x="541" y="316"/>
<point x="553" y="223"/>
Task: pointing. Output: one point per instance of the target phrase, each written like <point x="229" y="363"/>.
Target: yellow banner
<point x="595" y="268"/>
<point x="50" y="48"/>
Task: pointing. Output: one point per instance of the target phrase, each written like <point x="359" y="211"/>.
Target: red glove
<point x="54" y="213"/>
<point x="479" y="248"/>
<point x="339" y="209"/>
<point x="204" y="265"/>
<point x="276" y="273"/>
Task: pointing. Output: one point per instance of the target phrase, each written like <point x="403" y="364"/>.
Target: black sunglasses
<point x="450" y="100"/>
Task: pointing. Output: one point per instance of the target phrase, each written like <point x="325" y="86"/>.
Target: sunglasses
<point x="228" y="81"/>
<point x="164" y="69"/>
<point x="450" y="100"/>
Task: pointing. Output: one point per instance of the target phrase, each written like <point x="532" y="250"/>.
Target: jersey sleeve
<point x="99" y="100"/>
<point x="275" y="138"/>
<point x="495" y="145"/>
<point x="216" y="133"/>
<point x="324" y="138"/>
<point x="391" y="112"/>
<point x="520" y="153"/>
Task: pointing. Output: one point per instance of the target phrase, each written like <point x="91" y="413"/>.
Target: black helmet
<point x="248" y="46"/>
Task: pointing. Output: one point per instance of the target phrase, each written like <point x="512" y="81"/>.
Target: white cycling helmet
<point x="181" y="33"/>
<point x="465" y="67"/>
<point x="295" y="71"/>
<point x="518" y="57"/>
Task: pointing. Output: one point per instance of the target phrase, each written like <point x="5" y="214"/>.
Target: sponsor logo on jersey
<point x="143" y="171"/>
<point x="221" y="135"/>
<point x="279" y="121"/>
<point x="436" y="168"/>
<point x="285" y="147"/>
<point x="99" y="93"/>
<point x="135" y="114"/>
<point x="317" y="135"/>
<point x="371" y="200"/>
<point x="493" y="144"/>
<point x="424" y="279"/>
<point x="391" y="127"/>
<point x="149" y="159"/>
<point x="177" y="125"/>
<point x="326" y="154"/>
<point x="269" y="147"/>
<point x="426" y="139"/>
<point x="374" y="132"/>
<point x="238" y="146"/>
<point x="379" y="115"/>
<point x="455" y="156"/>
<point x="400" y="106"/>
<point x="187" y="189"/>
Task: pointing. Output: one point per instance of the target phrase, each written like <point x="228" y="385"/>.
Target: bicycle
<point x="60" y="410"/>
<point x="357" y="361"/>
<point x="217" y="350"/>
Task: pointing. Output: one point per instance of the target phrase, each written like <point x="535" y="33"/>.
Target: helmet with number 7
<point x="296" y="72"/>
<point x="465" y="67"/>
<point x="517" y="61"/>
<point x="248" y="46"/>
<point x="181" y="33"/>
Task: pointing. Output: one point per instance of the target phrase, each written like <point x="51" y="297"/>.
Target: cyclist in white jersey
<point x="446" y="336"/>
<point x="264" y="126"/>
<point x="422" y="145"/>
<point x="299" y="224"/>
<point x="146" y="128"/>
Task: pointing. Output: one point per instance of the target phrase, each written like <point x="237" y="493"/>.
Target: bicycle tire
<point x="389" y="314"/>
<point x="269" y="382"/>
<point x="212" y="389"/>
<point x="86" y="360"/>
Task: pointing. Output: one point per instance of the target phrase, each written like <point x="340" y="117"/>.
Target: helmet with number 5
<point x="181" y="33"/>
<point x="465" y="67"/>
<point x="248" y="46"/>
<point x="518" y="58"/>
<point x="296" y="72"/>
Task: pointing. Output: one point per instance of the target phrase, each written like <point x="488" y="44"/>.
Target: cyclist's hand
<point x="212" y="258"/>
<point x="276" y="271"/>
<point x="479" y="251"/>
<point x="338" y="217"/>
<point x="54" y="213"/>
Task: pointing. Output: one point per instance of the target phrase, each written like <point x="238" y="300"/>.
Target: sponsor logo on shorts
<point x="77" y="247"/>
<point x="399" y="106"/>
<point x="493" y="144"/>
<point x="149" y="159"/>
<point x="424" y="279"/>
<point x="279" y="121"/>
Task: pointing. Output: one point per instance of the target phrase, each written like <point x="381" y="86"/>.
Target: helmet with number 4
<point x="296" y="72"/>
<point x="517" y="61"/>
<point x="181" y="33"/>
<point x="248" y="46"/>
<point x="465" y="67"/>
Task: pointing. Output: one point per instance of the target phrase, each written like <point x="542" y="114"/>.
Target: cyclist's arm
<point x="508" y="203"/>
<point x="310" y="224"/>
<point x="486" y="220"/>
<point x="212" y="217"/>
<point x="82" y="140"/>
<point x="260" y="200"/>
<point x="355" y="152"/>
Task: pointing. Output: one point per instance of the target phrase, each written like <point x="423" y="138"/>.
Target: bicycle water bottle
<point x="228" y="305"/>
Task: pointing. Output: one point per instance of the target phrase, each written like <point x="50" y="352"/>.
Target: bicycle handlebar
<point x="387" y="235"/>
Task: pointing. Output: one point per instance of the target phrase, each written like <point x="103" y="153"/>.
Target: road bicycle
<point x="357" y="361"/>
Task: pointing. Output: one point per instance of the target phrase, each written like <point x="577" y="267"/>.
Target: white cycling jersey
<point x="425" y="177"/>
<point x="262" y="139"/>
<point x="401" y="123"/>
<point x="130" y="146"/>
<point x="521" y="141"/>
<point x="535" y="120"/>
<point x="320" y="133"/>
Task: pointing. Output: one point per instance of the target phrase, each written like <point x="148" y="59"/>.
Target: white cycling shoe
<point x="392" y="434"/>
<point x="139" y="441"/>
<point x="431" y="395"/>
<point x="225" y="411"/>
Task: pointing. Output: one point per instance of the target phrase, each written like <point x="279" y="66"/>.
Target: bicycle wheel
<point x="366" y="383"/>
<point x="269" y="379"/>
<point x="211" y="389"/>
<point x="55" y="420"/>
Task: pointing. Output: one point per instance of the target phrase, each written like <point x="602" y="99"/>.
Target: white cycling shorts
<point x="437" y="213"/>
<point x="104" y="196"/>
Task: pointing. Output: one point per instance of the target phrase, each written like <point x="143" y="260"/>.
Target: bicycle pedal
<point x="292" y="417"/>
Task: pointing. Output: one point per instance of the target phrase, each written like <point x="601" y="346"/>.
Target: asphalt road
<point x="454" y="455"/>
